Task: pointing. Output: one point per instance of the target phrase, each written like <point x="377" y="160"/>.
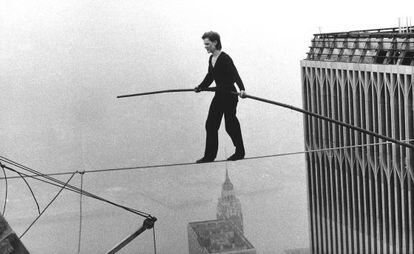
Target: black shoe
<point x="236" y="156"/>
<point x="204" y="160"/>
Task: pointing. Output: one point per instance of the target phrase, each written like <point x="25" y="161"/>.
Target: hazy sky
<point x="62" y="64"/>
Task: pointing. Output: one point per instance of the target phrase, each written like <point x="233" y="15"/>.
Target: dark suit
<point x="225" y="74"/>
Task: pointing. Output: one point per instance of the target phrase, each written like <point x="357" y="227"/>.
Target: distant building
<point x="298" y="251"/>
<point x="224" y="235"/>
<point x="217" y="236"/>
<point x="361" y="198"/>
<point x="229" y="206"/>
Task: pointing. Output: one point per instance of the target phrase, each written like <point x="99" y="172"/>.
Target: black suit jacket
<point x="224" y="73"/>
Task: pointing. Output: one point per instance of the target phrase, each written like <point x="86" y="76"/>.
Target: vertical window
<point x="408" y="58"/>
<point x="380" y="56"/>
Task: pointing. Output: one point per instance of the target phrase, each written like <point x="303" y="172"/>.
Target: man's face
<point x="209" y="45"/>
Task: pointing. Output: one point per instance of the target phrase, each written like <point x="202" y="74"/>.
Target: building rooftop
<point x="393" y="46"/>
<point x="298" y="251"/>
<point x="220" y="236"/>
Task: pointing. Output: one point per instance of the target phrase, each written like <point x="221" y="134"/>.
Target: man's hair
<point x="213" y="36"/>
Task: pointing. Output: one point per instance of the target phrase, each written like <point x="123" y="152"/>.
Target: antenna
<point x="406" y="21"/>
<point x="399" y="25"/>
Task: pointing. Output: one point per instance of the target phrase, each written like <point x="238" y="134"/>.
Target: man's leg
<point x="233" y="129"/>
<point x="215" y="114"/>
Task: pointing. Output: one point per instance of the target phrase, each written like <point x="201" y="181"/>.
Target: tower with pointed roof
<point x="224" y="235"/>
<point x="229" y="206"/>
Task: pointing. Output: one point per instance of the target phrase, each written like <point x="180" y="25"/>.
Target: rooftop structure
<point x="224" y="235"/>
<point x="375" y="46"/>
<point x="217" y="236"/>
<point x="297" y="251"/>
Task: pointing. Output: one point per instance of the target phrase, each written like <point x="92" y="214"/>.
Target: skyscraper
<point x="361" y="198"/>
<point x="224" y="235"/>
<point x="229" y="206"/>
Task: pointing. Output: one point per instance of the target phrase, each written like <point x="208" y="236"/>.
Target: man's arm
<point x="207" y="81"/>
<point x="237" y="78"/>
<point x="233" y="70"/>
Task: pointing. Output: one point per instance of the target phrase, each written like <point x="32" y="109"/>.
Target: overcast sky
<point x="62" y="64"/>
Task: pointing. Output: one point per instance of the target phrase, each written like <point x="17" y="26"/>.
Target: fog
<point x="62" y="64"/>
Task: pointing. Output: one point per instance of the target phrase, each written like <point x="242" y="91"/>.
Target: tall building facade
<point x="225" y="234"/>
<point x="361" y="197"/>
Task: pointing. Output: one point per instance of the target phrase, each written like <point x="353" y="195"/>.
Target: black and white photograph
<point x="199" y="127"/>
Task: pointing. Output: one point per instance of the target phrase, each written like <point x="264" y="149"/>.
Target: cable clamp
<point x="80" y="172"/>
<point x="149" y="222"/>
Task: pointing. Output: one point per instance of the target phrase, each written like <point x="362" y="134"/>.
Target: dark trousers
<point x="222" y="105"/>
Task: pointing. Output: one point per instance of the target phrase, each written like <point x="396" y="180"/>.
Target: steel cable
<point x="7" y="188"/>
<point x="59" y="183"/>
<point x="48" y="205"/>
<point x="217" y="161"/>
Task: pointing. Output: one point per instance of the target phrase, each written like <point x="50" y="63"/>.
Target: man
<point x="222" y="70"/>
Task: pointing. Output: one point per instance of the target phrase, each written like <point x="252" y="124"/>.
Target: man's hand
<point x="242" y="94"/>
<point x="197" y="89"/>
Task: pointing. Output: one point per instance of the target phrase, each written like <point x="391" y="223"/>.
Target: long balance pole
<point x="350" y="126"/>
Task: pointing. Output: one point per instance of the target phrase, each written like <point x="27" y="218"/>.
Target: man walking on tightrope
<point x="222" y="70"/>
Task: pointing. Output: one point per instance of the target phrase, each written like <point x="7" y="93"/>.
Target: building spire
<point x="229" y="207"/>
<point x="227" y="174"/>
<point x="227" y="185"/>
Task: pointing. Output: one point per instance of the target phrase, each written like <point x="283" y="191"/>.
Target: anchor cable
<point x="155" y="242"/>
<point x="54" y="198"/>
<point x="31" y="191"/>
<point x="7" y="188"/>
<point x="38" y="176"/>
<point x="80" y="211"/>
